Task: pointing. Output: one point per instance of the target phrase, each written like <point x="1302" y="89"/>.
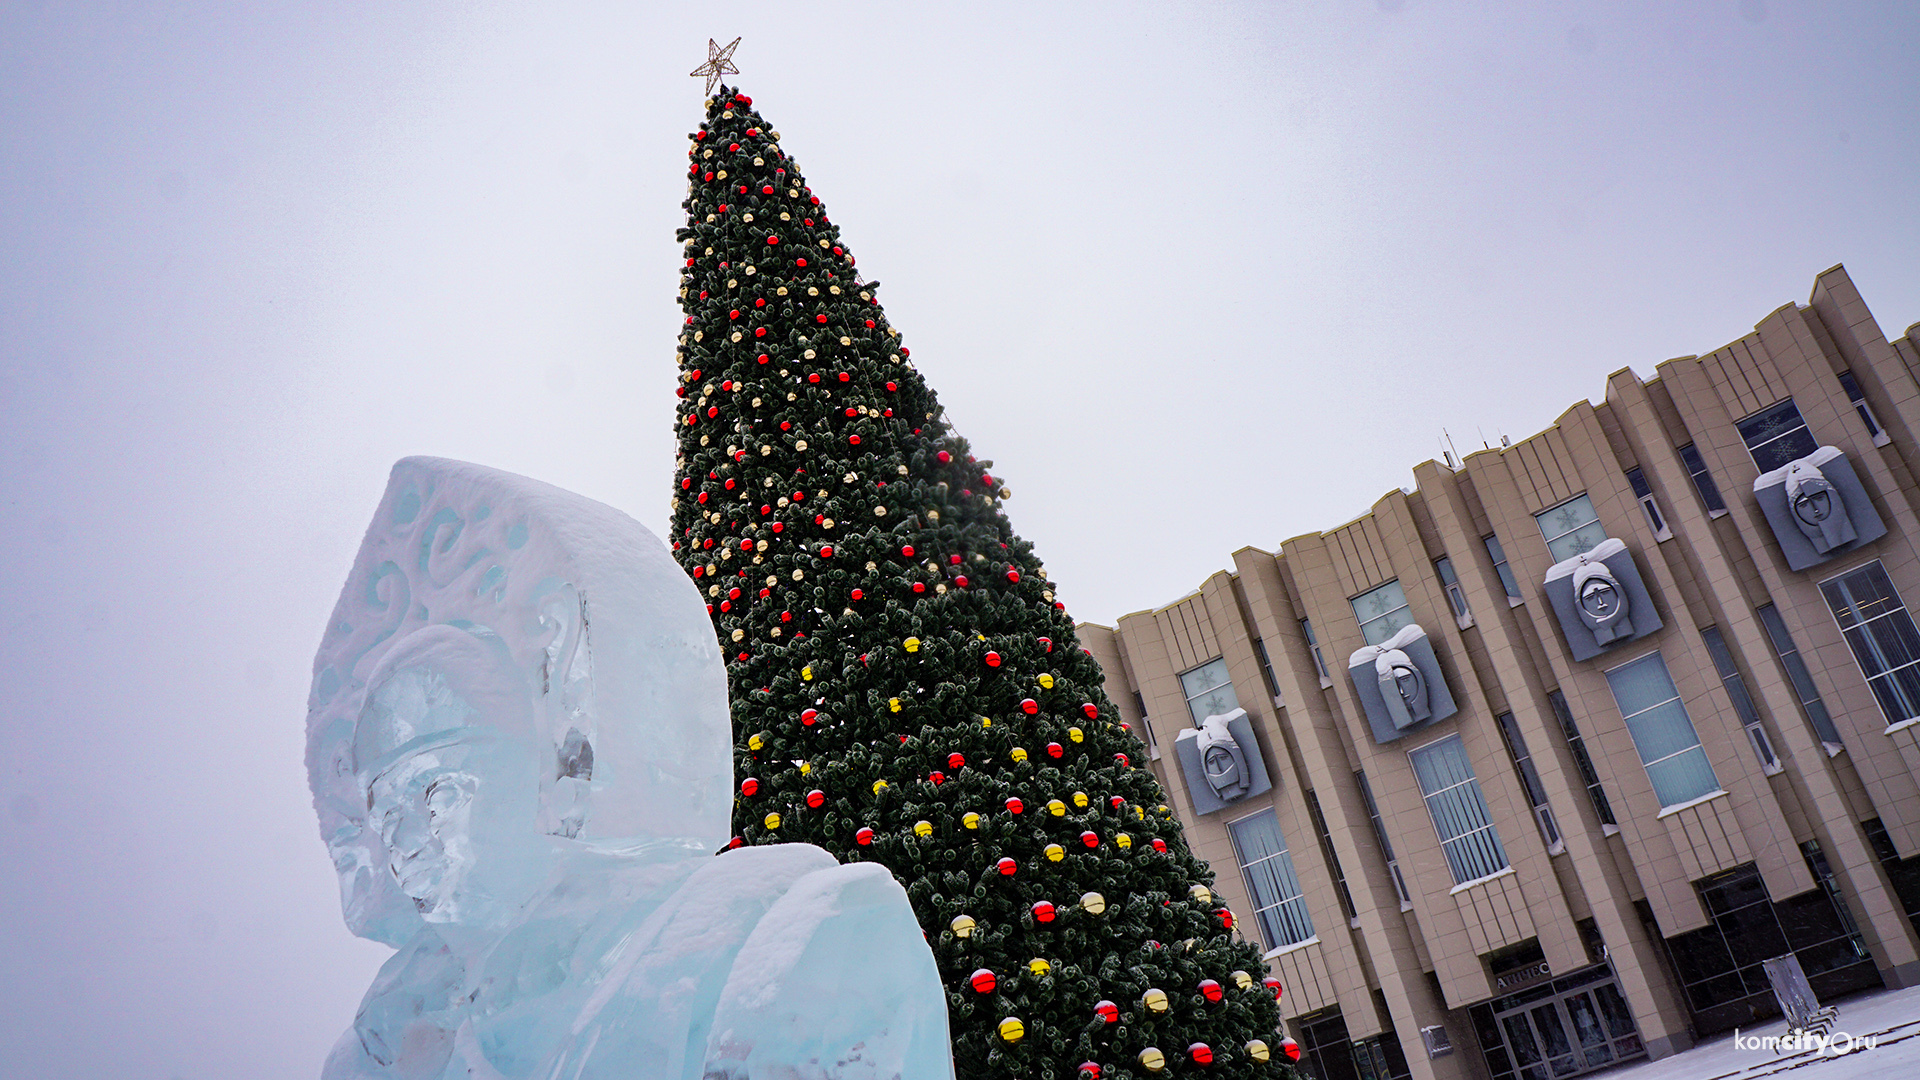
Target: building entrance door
<point x="1570" y="1032"/>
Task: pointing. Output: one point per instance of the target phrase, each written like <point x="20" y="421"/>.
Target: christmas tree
<point x="906" y="688"/>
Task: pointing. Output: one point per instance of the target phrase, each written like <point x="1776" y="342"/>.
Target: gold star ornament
<point x="719" y="63"/>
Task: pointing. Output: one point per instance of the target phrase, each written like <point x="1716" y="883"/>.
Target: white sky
<point x="1193" y="276"/>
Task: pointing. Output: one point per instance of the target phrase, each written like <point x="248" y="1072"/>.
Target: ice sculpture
<point x="518" y="745"/>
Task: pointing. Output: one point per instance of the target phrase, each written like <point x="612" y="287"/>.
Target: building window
<point x="1500" y="567"/>
<point x="1662" y="732"/>
<point x="1578" y="747"/>
<point x="1530" y="782"/>
<point x="1386" y="845"/>
<point x="1798" y="675"/>
<point x="1571" y="528"/>
<point x="1644" y="492"/>
<point x="1456" y="595"/>
<point x="1742" y="701"/>
<point x="1313" y="646"/>
<point x="1459" y="810"/>
<point x="1266" y="671"/>
<point x="1209" y="691"/>
<point x="1776" y="435"/>
<point x="1882" y="636"/>
<point x="1382" y="612"/>
<point x="1146" y="726"/>
<point x="1279" y="906"/>
<point x="1702" y="479"/>
<point x="1332" y="856"/>
<point x="1859" y="398"/>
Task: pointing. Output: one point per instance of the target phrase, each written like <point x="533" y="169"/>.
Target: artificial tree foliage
<point x="906" y="687"/>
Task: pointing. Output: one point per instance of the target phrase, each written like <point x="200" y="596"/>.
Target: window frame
<point x="1386" y="843"/>
<point x="1812" y="706"/>
<point x="1313" y="650"/>
<point x="1296" y="903"/>
<point x="1854" y="650"/>
<point x="1857" y="394"/>
<point x="1226" y="682"/>
<point x="1540" y="522"/>
<point x="1530" y="785"/>
<point x="1502" y="569"/>
<point x="1460" y="849"/>
<point x="1643" y="491"/>
<point x="1728" y="667"/>
<point x="1704" y="484"/>
<point x="1679" y="699"/>
<point x="1405" y="605"/>
<point x="1583" y="762"/>
<point x="1456" y="593"/>
<point x="1740" y="425"/>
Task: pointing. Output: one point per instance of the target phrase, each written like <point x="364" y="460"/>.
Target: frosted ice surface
<point x="518" y="745"/>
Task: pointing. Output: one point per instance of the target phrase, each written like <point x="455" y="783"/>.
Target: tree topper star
<point x="719" y="62"/>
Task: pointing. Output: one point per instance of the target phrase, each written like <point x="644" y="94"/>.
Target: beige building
<point x="1541" y="760"/>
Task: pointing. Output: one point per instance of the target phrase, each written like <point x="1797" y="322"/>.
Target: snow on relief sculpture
<point x="518" y="745"/>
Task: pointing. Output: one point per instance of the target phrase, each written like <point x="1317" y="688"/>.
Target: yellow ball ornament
<point x="1012" y="1030"/>
<point x="1056" y="808"/>
<point x="1076" y="734"/>
<point x="912" y="644"/>
<point x="1155" y="1000"/>
<point x="923" y="828"/>
<point x="771" y="821"/>
<point x="755" y="742"/>
<point x="806" y="673"/>
<point x="805" y="768"/>
<point x="879" y="786"/>
<point x="970" y="819"/>
<point x="1080" y="799"/>
<point x="1093" y="903"/>
<point x="962" y="926"/>
<point x="1152" y="1060"/>
<point x="1018" y="754"/>
<point x="1258" y="1051"/>
<point x="1140" y="813"/>
<point x="1055" y="852"/>
<point x="1046" y="681"/>
<point x="1122" y="841"/>
<point x="893" y="703"/>
<point x="1039" y="966"/>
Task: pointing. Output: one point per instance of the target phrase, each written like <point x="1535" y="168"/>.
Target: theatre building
<point x="1523" y="773"/>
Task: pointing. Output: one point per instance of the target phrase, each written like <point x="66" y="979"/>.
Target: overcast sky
<point x="1193" y="276"/>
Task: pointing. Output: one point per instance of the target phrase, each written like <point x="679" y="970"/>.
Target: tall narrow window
<point x="1702" y="479"/>
<point x="1332" y="856"/>
<point x="1382" y="611"/>
<point x="1798" y="675"/>
<point x="1313" y="646"/>
<point x="1644" y="492"/>
<point x="1859" y="398"/>
<point x="1500" y="566"/>
<point x="1882" y="636"/>
<point x="1742" y="701"/>
<point x="1662" y="732"/>
<point x="1577" y="746"/>
<point x="1456" y="595"/>
<point x="1530" y="782"/>
<point x="1459" y="810"/>
<point x="1278" y="903"/>
<point x="1571" y="528"/>
<point x="1146" y="726"/>
<point x="1266" y="671"/>
<point x="1386" y="845"/>
<point x="1776" y="435"/>
<point x="1209" y="691"/>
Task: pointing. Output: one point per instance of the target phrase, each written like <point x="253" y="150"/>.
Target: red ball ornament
<point x="853" y="440"/>
<point x="937" y="777"/>
<point x="1047" y="641"/>
<point x="750" y="786"/>
<point x="1273" y="984"/>
<point x="734" y="843"/>
<point x="943" y="456"/>
<point x="982" y="981"/>
<point x="1107" y="1011"/>
<point x="906" y="550"/>
<point x="809" y="716"/>
<point x="775" y="240"/>
<point x="1211" y="990"/>
<point x="1290" y="1048"/>
<point x="1054" y="749"/>
<point x="1201" y="1053"/>
<point x="1092" y="710"/>
<point x="1042" y="911"/>
<point x="1013" y="575"/>
<point x="960" y="582"/>
<point x="858" y="595"/>
<point x="1090" y="838"/>
<point x="1161" y="845"/>
<point x="956" y="760"/>
<point x="1226" y="917"/>
<point x="1122" y="759"/>
<point x="1089" y="1070"/>
<point x="1116" y="802"/>
<point x="1030" y="707"/>
<point x="815" y="798"/>
<point x="864" y="836"/>
<point x="992" y="659"/>
<point x="826" y="553"/>
<point x="1007" y="866"/>
<point x="1015" y="806"/>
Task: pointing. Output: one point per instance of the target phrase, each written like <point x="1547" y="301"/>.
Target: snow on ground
<point x="1892" y="1019"/>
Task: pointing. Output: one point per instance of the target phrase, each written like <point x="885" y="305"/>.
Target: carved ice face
<point x="458" y="825"/>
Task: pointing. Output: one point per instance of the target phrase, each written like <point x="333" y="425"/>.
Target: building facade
<point x="1522" y="774"/>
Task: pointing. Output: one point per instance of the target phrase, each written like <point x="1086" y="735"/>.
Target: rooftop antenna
<point x="1453" y="456"/>
<point x="1505" y="442"/>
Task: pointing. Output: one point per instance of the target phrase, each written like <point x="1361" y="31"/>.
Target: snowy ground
<point x="1891" y="1018"/>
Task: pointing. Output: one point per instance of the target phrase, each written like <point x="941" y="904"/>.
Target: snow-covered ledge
<point x="1691" y="803"/>
<point x="1465" y="885"/>
<point x="1901" y="726"/>
<point x="1295" y="947"/>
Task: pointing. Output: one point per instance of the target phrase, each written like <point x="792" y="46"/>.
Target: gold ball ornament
<point x="1076" y="734"/>
<point x="1018" y="754"/>
<point x="1201" y="893"/>
<point x="1154" y="1000"/>
<point x="1056" y="808"/>
<point x="1093" y="903"/>
<point x="962" y="926"/>
<point x="1046" y="681"/>
<point x="1258" y="1051"/>
<point x="1055" y="852"/>
<point x="1012" y="1030"/>
<point x="1122" y="841"/>
<point x="1080" y="799"/>
<point x="771" y="821"/>
<point x="755" y="742"/>
<point x="1039" y="966"/>
<point x="923" y="828"/>
<point x="1242" y="980"/>
<point x="1152" y="1060"/>
<point x="970" y="819"/>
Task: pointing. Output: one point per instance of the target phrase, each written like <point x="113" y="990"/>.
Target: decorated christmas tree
<point x="906" y="687"/>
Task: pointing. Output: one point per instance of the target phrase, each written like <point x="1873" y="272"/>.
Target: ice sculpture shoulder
<point x="518" y="745"/>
